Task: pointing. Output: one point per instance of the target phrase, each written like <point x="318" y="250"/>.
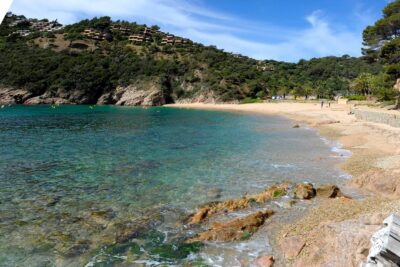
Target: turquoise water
<point x="106" y="185"/>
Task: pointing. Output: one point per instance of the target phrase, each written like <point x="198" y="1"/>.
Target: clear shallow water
<point x="74" y="180"/>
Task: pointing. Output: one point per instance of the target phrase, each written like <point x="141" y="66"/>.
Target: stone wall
<point x="391" y="119"/>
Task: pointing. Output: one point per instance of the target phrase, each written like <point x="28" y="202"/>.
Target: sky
<point x="263" y="29"/>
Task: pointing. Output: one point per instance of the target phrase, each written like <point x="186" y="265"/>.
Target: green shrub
<point x="246" y="235"/>
<point x="249" y="100"/>
<point x="357" y="97"/>
<point x="278" y="193"/>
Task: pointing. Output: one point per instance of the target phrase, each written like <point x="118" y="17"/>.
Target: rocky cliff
<point x="149" y="92"/>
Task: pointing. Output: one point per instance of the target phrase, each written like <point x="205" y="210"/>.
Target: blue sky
<point x="264" y="29"/>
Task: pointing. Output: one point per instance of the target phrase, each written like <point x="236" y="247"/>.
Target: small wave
<point x="278" y="166"/>
<point x="337" y="148"/>
<point x="345" y="176"/>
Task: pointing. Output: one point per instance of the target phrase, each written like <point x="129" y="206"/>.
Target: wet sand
<point x="336" y="231"/>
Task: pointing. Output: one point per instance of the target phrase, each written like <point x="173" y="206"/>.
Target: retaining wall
<point x="391" y="119"/>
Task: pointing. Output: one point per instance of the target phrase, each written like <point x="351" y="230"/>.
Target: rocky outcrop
<point x="13" y="96"/>
<point x="341" y="244"/>
<point x="384" y="183"/>
<point x="37" y="100"/>
<point x="142" y="93"/>
<point x="134" y="96"/>
<point x="237" y="229"/>
<point x="301" y="191"/>
<point x="304" y="191"/>
<point x="147" y="92"/>
<point x="210" y="209"/>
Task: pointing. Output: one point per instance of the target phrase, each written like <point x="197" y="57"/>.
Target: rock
<point x="102" y="217"/>
<point x="76" y="250"/>
<point x="208" y="210"/>
<point x="132" y="228"/>
<point x="140" y="94"/>
<point x="329" y="191"/>
<point x="52" y="200"/>
<point x="343" y="243"/>
<point x="304" y="191"/>
<point x="13" y="96"/>
<point x="46" y="101"/>
<point x="274" y="191"/>
<point x="296" y="126"/>
<point x="236" y="229"/>
<point x="213" y="208"/>
<point x="106" y="99"/>
<point x="384" y="183"/>
<point x="287" y="204"/>
<point x="200" y="215"/>
<point x="292" y="246"/>
<point x="264" y="261"/>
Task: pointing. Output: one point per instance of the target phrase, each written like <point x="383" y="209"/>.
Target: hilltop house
<point x="145" y="36"/>
<point x="139" y="38"/>
<point x="45" y="25"/>
<point x="121" y="29"/>
<point x="23" y="32"/>
<point x="95" y="34"/>
<point x="168" y="39"/>
<point x="173" y="40"/>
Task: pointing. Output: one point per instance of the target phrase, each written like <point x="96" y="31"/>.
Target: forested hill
<point x="117" y="62"/>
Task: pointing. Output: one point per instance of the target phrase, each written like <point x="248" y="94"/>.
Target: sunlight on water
<point x="110" y="185"/>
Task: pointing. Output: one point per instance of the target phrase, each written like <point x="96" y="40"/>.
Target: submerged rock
<point x="175" y="251"/>
<point x="102" y="216"/>
<point x="129" y="229"/>
<point x="52" y="200"/>
<point x="214" y="193"/>
<point x="304" y="191"/>
<point x="77" y="249"/>
<point x="237" y="229"/>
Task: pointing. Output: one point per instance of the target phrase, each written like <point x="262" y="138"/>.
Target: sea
<point x="113" y="186"/>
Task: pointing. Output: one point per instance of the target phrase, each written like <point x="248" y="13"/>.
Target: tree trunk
<point x="397" y="105"/>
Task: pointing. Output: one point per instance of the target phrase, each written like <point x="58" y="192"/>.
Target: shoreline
<point x="336" y="231"/>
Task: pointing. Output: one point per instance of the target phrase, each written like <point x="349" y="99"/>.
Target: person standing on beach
<point x="322" y="103"/>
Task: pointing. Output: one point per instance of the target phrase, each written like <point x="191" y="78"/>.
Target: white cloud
<point x="4" y="6"/>
<point x="194" y="20"/>
<point x="317" y="40"/>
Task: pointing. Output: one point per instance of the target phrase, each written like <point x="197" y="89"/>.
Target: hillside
<point x="117" y="62"/>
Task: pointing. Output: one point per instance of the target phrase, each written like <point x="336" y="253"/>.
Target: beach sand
<point x="337" y="232"/>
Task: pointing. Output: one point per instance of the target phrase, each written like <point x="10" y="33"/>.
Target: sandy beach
<point x="337" y="232"/>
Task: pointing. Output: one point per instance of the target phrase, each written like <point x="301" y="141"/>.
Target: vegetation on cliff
<point x="81" y="68"/>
